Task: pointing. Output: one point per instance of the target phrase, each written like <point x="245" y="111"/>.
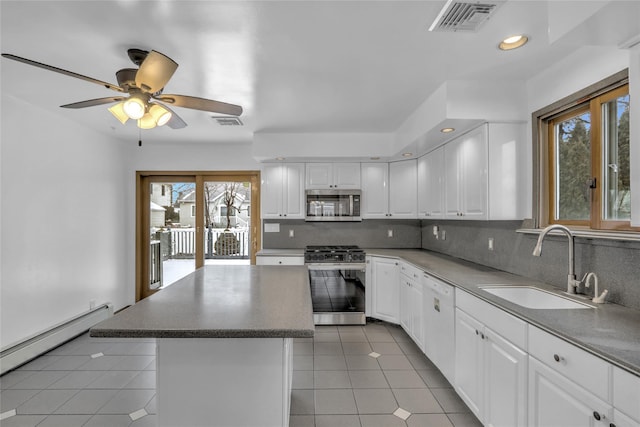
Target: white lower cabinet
<point x="567" y="385"/>
<point x="621" y="420"/>
<point x="279" y="260"/>
<point x="509" y="373"/>
<point x="556" y="401"/>
<point x="383" y="288"/>
<point x="626" y="398"/>
<point x="411" y="303"/>
<point x="490" y="371"/>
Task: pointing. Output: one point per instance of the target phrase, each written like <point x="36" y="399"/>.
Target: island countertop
<point x="222" y="301"/>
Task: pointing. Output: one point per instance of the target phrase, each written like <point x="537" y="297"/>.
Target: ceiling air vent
<point x="463" y="16"/>
<point x="228" y="121"/>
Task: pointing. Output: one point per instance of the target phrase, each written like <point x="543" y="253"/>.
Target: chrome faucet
<point x="572" y="283"/>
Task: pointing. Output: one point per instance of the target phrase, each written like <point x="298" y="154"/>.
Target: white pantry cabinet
<point x="411" y="303"/>
<point x="490" y="368"/>
<point x="283" y="191"/>
<point x="340" y="176"/>
<point x="431" y="184"/>
<point x="466" y="190"/>
<point x="383" y="288"/>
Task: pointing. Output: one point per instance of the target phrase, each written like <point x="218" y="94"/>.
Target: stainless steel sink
<point x="531" y="297"/>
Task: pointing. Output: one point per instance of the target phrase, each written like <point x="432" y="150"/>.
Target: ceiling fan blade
<point x="176" y="121"/>
<point x="201" y="104"/>
<point x="94" y="102"/>
<point x="61" y="71"/>
<point x="155" y="71"/>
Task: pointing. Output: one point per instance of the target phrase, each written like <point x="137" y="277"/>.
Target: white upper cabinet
<point x="485" y="174"/>
<point x="509" y="172"/>
<point x="283" y="191"/>
<point x="430" y="184"/>
<point x="389" y="190"/>
<point x="466" y="184"/>
<point x="375" y="190"/>
<point x="403" y="189"/>
<point x="340" y="176"/>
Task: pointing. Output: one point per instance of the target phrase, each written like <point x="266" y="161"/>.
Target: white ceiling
<point x="294" y="66"/>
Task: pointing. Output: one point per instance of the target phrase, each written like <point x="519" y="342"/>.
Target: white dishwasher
<point x="439" y="338"/>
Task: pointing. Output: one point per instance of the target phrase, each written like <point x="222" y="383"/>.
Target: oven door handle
<point x="337" y="266"/>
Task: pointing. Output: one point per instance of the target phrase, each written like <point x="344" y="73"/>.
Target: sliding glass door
<point x="187" y="220"/>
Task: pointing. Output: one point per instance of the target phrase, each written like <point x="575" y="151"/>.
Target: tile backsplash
<point x="370" y="233"/>
<point x="617" y="263"/>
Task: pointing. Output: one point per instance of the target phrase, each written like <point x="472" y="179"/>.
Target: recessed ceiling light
<point x="374" y="158"/>
<point x="279" y="158"/>
<point x="407" y="154"/>
<point x="513" y="42"/>
<point x="447" y="130"/>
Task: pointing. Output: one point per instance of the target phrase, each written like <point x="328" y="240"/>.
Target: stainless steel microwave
<point x="333" y="205"/>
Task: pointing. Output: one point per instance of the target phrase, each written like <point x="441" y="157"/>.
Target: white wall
<point x="62" y="223"/>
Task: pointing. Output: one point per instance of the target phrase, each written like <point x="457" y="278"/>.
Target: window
<point x="585" y="171"/>
<point x="162" y="189"/>
<point x="223" y="211"/>
<point x="193" y="211"/>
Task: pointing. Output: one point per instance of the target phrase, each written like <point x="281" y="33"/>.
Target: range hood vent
<point x="228" y="121"/>
<point x="463" y="16"/>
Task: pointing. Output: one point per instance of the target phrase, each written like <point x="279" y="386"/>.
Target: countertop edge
<point x="230" y="333"/>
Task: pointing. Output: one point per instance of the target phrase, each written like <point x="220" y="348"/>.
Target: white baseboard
<point x="30" y="348"/>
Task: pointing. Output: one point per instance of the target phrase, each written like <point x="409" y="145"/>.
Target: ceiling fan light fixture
<point x="160" y="114"/>
<point x="147" y="122"/>
<point x="118" y="111"/>
<point x="134" y="107"/>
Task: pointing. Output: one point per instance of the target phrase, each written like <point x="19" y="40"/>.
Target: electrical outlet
<point x="389" y="233"/>
<point x="490" y="243"/>
<point x="444" y="235"/>
<point x="435" y="230"/>
<point x="291" y="233"/>
<point x="92" y="304"/>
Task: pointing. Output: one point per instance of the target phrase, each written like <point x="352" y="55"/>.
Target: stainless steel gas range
<point x="337" y="278"/>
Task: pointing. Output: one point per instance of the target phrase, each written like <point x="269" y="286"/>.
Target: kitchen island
<point x="224" y="343"/>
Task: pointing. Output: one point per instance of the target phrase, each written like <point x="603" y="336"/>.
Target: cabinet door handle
<point x="596" y="415"/>
<point x="558" y="358"/>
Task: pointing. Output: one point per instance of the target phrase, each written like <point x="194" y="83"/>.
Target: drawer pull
<point x="558" y="358"/>
<point x="596" y="415"/>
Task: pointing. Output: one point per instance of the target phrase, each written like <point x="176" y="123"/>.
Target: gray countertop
<point x="226" y="301"/>
<point x="609" y="331"/>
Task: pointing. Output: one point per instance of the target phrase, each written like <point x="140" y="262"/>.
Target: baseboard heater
<point x="30" y="348"/>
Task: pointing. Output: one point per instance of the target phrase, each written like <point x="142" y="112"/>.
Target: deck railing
<point x="181" y="243"/>
<point x="155" y="264"/>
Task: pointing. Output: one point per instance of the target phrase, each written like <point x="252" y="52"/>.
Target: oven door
<point x="338" y="293"/>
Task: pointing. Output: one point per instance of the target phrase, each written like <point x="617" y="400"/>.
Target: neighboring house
<point x="157" y="215"/>
<point x="217" y="210"/>
<point x="160" y="194"/>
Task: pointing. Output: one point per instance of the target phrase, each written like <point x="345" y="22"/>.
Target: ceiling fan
<point x="145" y="102"/>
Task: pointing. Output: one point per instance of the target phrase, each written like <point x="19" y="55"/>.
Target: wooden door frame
<point x="198" y="177"/>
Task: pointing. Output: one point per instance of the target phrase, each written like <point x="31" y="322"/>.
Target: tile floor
<point x="344" y="376"/>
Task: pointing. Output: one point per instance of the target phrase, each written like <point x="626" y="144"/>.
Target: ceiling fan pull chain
<point x="139" y="137"/>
